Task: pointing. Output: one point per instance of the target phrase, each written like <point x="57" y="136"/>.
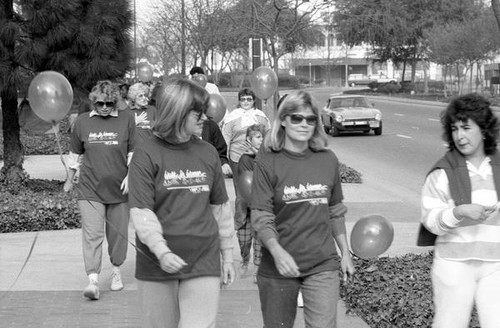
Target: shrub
<point x="349" y="175"/>
<point x="288" y="81"/>
<point x="39" y="205"/>
<point x="389" y="88"/>
<point x="393" y="292"/>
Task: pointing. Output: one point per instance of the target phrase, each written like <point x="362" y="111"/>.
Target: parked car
<point x="350" y="113"/>
<point x="359" y="79"/>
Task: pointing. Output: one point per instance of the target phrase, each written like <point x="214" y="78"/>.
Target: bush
<point x="288" y="81"/>
<point x="349" y="175"/>
<point x="389" y="88"/>
<point x="393" y="292"/>
<point x="39" y="205"/>
<point x="45" y="143"/>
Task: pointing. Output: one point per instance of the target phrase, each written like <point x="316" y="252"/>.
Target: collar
<point x="114" y="113"/>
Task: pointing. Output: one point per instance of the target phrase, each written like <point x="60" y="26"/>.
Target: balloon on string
<point x="201" y="79"/>
<point x="51" y="96"/>
<point x="264" y="82"/>
<point x="216" y="107"/>
<point x="145" y="72"/>
<point x="245" y="185"/>
<point x="371" y="236"/>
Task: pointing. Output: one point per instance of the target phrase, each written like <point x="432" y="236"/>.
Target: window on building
<point x="320" y="40"/>
<point x="332" y="41"/>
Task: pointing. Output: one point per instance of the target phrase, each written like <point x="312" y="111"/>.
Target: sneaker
<point x="116" y="280"/>
<point x="300" y="300"/>
<point x="92" y="291"/>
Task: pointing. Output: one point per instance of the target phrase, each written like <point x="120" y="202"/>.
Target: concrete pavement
<point x="48" y="291"/>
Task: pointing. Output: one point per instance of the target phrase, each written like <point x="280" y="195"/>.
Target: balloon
<point x="50" y="96"/>
<point x="145" y="73"/>
<point x="371" y="236"/>
<point x="264" y="82"/>
<point x="201" y="79"/>
<point x="216" y="107"/>
<point x="245" y="185"/>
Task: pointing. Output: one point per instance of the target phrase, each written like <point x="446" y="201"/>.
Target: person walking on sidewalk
<point x="234" y="130"/>
<point x="102" y="140"/>
<point x="182" y="215"/>
<point x="460" y="206"/>
<point x="144" y="114"/>
<point x="298" y="215"/>
<point x="244" y="231"/>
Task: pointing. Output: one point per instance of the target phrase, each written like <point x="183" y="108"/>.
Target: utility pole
<point x="183" y="38"/>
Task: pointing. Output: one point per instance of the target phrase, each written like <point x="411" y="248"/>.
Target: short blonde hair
<point x="292" y="103"/>
<point x="106" y="89"/>
<point x="175" y="100"/>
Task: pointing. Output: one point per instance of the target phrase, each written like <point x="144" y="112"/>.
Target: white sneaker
<point x="300" y="300"/>
<point x="92" y="291"/>
<point x="116" y="280"/>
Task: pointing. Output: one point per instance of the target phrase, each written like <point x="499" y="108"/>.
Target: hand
<point x="251" y="148"/>
<point x="171" y="263"/>
<point x="474" y="212"/>
<point x="228" y="273"/>
<point x="140" y="118"/>
<point x="124" y="186"/>
<point x="226" y="169"/>
<point x="347" y="267"/>
<point x="285" y="263"/>
<point x="68" y="185"/>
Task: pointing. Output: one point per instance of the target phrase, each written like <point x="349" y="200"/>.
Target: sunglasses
<point x="297" y="119"/>
<point x="102" y="103"/>
<point x="199" y="113"/>
<point x="246" y="99"/>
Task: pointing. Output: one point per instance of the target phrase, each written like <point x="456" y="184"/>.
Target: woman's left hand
<point x="124" y="186"/>
<point x="347" y="267"/>
<point x="228" y="273"/>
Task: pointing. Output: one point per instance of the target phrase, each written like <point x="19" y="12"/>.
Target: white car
<point x="350" y="113"/>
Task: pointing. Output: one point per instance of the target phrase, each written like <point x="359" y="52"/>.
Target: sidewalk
<point x="49" y="290"/>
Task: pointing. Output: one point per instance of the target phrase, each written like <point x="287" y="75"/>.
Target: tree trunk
<point x="495" y="4"/>
<point x="12" y="171"/>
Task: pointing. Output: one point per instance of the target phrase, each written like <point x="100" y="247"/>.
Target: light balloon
<point x="371" y="236"/>
<point x="245" y="185"/>
<point x="51" y="96"/>
<point x="216" y="107"/>
<point x="201" y="79"/>
<point x="145" y="73"/>
<point x="264" y="82"/>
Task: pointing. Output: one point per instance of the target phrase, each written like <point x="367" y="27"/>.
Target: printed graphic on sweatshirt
<point x="315" y="194"/>
<point x="106" y="138"/>
<point x="194" y="181"/>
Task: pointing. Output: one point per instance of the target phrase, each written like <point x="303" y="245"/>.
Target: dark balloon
<point x="216" y="107"/>
<point x="51" y="96"/>
<point x="371" y="236"/>
<point x="245" y="185"/>
<point x="264" y="82"/>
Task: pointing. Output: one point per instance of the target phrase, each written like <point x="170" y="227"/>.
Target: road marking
<point x="403" y="136"/>
<point x="434" y="120"/>
<point x="397" y="114"/>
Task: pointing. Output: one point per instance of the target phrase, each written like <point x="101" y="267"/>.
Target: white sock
<point x="94" y="277"/>
<point x="116" y="269"/>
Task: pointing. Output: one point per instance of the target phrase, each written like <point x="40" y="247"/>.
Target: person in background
<point x="182" y="216"/>
<point x="212" y="134"/>
<point x="234" y="130"/>
<point x="144" y="114"/>
<point x="210" y="87"/>
<point x="123" y="102"/>
<point x="298" y="215"/>
<point x="102" y="140"/>
<point x="244" y="231"/>
<point x="460" y="205"/>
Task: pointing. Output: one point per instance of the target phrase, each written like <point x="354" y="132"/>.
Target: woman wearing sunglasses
<point x="234" y="131"/>
<point x="102" y="141"/>
<point x="181" y="213"/>
<point x="298" y="214"/>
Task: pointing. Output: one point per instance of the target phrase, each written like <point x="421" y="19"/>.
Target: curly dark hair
<point x="477" y="108"/>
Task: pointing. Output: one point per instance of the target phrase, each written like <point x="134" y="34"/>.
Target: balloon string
<point x="58" y="137"/>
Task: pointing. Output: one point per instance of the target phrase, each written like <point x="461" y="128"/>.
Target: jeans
<point x="278" y="299"/>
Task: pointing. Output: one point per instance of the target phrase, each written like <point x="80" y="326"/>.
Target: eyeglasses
<point x="199" y="113"/>
<point x="297" y="119"/>
<point x="246" y="99"/>
<point x="102" y="103"/>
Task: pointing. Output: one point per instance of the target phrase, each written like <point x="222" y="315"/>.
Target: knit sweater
<point x="453" y="182"/>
